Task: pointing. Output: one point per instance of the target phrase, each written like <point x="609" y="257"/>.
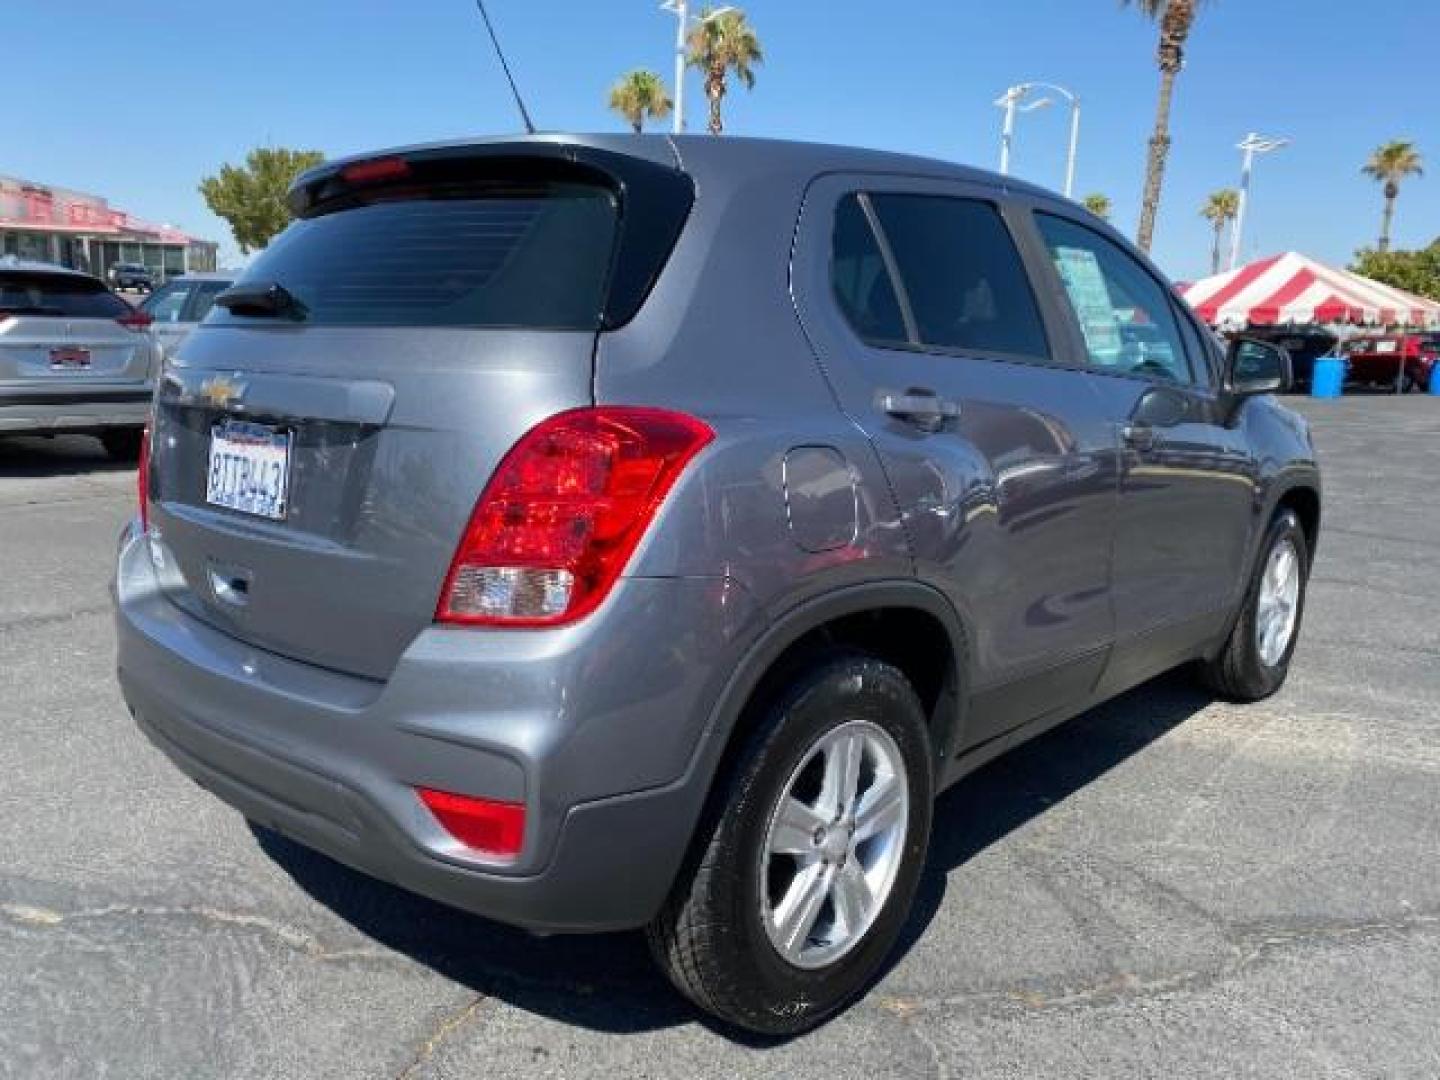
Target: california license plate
<point x="249" y="469"/>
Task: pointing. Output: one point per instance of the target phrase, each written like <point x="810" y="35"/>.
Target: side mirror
<point x="1257" y="367"/>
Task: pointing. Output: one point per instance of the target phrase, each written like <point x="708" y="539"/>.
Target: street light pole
<point x="1074" y="147"/>
<point x="1010" y="102"/>
<point x="681" y="8"/>
<point x="1252" y="144"/>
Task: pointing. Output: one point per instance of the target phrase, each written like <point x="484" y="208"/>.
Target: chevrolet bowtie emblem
<point x="221" y="392"/>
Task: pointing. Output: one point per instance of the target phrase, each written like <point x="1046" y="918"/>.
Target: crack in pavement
<point x="1255" y="944"/>
<point x="303" y="942"/>
<point x="31" y="622"/>
<point x="448" y="1026"/>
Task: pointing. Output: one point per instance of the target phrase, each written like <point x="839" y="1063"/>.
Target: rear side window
<point x="539" y="259"/>
<point x="59" y="296"/>
<point x="962" y="275"/>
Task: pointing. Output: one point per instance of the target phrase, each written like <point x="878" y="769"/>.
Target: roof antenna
<point x="519" y="103"/>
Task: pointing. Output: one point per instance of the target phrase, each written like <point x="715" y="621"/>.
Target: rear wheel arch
<point x="904" y="623"/>
<point x="1304" y="500"/>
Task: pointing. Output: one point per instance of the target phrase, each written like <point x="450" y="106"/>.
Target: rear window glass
<point x="58" y="296"/>
<point x="536" y="259"/>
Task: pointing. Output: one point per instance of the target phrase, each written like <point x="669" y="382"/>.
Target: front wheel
<point x="811" y="856"/>
<point x="1256" y="657"/>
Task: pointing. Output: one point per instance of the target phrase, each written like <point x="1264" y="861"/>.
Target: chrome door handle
<point x="923" y="408"/>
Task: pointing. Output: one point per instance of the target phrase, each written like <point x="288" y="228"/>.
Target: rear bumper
<point x="599" y="744"/>
<point x="81" y="408"/>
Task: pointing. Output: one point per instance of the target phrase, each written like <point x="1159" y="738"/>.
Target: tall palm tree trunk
<point x="1215" y="248"/>
<point x="1155" y="164"/>
<point x="715" y="91"/>
<point x="1391" y="190"/>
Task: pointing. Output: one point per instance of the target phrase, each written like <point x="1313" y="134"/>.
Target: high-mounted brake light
<point x="563" y="513"/>
<point x="142" y="479"/>
<point x="485" y="825"/>
<point x="375" y="170"/>
<point x="135" y="320"/>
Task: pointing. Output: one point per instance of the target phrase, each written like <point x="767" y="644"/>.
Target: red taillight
<point x="374" y="171"/>
<point x="486" y="825"/>
<point x="563" y="513"/>
<point x="142" y="479"/>
<point x="135" y="320"/>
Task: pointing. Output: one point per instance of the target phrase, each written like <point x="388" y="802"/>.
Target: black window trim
<point x="914" y="345"/>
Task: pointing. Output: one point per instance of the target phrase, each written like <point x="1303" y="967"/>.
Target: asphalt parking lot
<point x="1167" y="886"/>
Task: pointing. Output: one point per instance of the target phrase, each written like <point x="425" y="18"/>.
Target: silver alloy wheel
<point x="834" y="844"/>
<point x="1278" y="604"/>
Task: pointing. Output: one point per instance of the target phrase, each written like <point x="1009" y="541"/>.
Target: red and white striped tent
<point x="1293" y="289"/>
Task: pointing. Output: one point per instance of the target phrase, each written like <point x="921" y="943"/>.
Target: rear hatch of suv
<point x="320" y="441"/>
<point x="64" y="335"/>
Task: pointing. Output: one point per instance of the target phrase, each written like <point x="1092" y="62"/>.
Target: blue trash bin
<point x="1328" y="377"/>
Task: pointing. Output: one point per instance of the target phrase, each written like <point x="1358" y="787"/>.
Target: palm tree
<point x="1097" y="204"/>
<point x="1176" y="17"/>
<point x="639" y="94"/>
<point x="1220" y="209"/>
<point x="1391" y="163"/>
<point x="720" y="43"/>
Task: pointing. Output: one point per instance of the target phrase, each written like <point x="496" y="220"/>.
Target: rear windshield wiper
<point x="262" y="300"/>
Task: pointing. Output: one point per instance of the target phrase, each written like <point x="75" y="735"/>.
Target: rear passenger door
<point x="1187" y="489"/>
<point x="1001" y="458"/>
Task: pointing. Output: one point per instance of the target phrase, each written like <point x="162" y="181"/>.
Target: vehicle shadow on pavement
<point x="30" y="456"/>
<point x="608" y="983"/>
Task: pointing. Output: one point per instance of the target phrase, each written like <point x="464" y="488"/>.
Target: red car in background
<point x="1377" y="359"/>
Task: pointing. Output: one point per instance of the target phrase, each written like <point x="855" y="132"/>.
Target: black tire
<point x="1237" y="672"/>
<point x="122" y="444"/>
<point x="710" y="938"/>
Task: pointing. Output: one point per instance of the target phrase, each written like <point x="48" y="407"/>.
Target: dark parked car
<point x="131" y="276"/>
<point x="608" y="532"/>
<point x="1305" y="344"/>
<point x="74" y="357"/>
<point x="1377" y="359"/>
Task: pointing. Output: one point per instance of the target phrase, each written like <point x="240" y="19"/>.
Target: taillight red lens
<point x="135" y="320"/>
<point x="486" y="825"/>
<point x="142" y="479"/>
<point x="563" y="513"/>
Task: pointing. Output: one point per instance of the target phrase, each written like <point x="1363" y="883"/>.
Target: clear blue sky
<point x="348" y="75"/>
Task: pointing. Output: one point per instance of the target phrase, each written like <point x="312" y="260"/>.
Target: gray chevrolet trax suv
<point x="611" y="532"/>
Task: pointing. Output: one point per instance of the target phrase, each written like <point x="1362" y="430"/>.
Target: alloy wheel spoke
<point x="852" y="896"/>
<point x="881" y="807"/>
<point x="796" y="915"/>
<point x="795" y="828"/>
<point x="842" y="772"/>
